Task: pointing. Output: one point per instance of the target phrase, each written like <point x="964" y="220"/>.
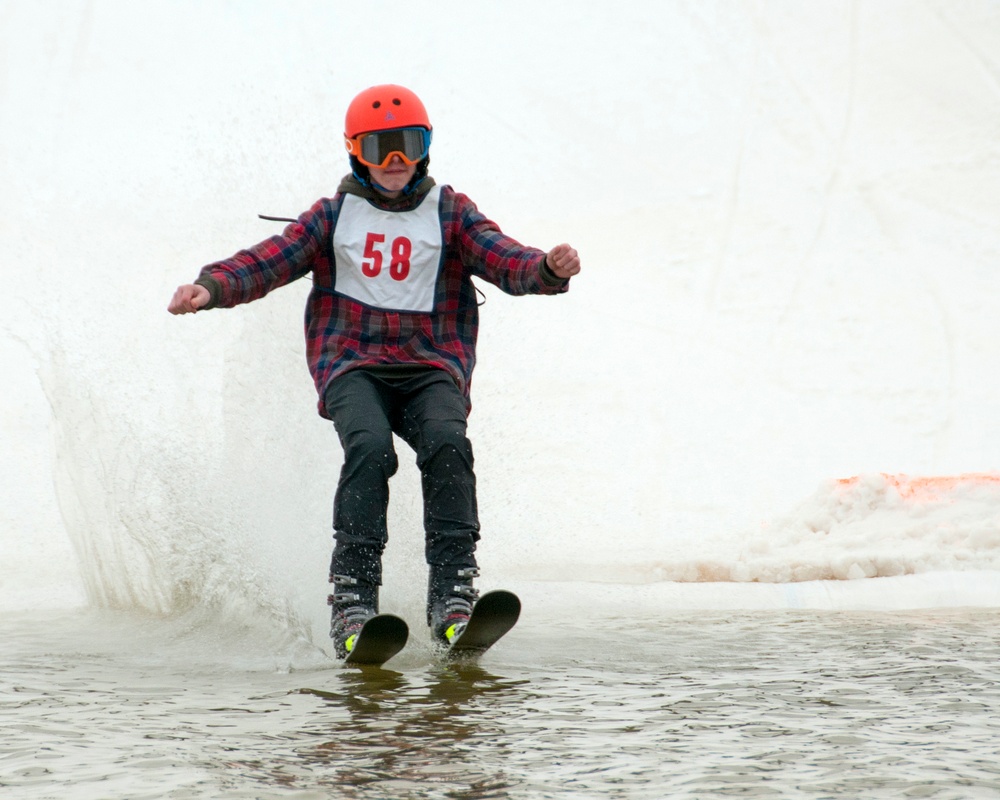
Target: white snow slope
<point x="789" y="219"/>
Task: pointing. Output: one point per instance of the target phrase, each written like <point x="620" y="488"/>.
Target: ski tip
<point x="380" y="638"/>
<point x="503" y="601"/>
<point x="493" y="615"/>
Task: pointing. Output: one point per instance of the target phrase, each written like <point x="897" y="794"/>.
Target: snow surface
<point x="789" y="219"/>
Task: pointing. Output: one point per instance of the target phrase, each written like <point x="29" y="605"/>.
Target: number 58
<point x="399" y="251"/>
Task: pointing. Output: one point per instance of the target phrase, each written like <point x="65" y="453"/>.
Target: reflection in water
<point x="403" y="733"/>
<point x="792" y="705"/>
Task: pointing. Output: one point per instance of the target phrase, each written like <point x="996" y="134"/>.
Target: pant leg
<point x="433" y="423"/>
<point x="359" y="406"/>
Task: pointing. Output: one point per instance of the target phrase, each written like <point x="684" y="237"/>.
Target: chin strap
<point x="363" y="181"/>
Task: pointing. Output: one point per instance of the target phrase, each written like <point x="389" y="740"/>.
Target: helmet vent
<point x="377" y="104"/>
<point x="395" y="101"/>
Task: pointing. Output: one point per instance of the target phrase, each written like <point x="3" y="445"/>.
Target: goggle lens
<point x="377" y="149"/>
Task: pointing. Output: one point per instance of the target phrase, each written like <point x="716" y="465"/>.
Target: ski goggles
<point x="377" y="149"/>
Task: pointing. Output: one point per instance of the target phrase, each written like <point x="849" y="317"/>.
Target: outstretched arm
<point x="188" y="299"/>
<point x="501" y="260"/>
<point x="252" y="273"/>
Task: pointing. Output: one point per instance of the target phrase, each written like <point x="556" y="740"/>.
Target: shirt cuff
<point x="214" y="290"/>
<point x="549" y="278"/>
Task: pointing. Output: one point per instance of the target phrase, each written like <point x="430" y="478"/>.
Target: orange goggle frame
<point x="376" y="149"/>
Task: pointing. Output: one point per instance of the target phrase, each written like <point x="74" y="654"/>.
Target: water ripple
<point x="750" y="705"/>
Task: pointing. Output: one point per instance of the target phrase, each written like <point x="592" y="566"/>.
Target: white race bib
<point x="388" y="259"/>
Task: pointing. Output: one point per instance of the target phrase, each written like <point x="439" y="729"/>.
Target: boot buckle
<point x="345" y="597"/>
<point x="465" y="591"/>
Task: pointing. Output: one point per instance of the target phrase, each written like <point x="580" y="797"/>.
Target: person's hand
<point x="563" y="260"/>
<point x="188" y="299"/>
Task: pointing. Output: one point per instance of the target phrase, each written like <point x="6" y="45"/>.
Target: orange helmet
<point x="382" y="108"/>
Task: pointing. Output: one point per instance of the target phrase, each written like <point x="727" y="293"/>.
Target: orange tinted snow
<point x="919" y="489"/>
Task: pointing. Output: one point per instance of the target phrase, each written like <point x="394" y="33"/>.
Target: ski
<point x="379" y="639"/>
<point x="493" y="615"/>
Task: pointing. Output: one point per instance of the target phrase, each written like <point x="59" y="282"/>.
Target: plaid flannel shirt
<point x="343" y="334"/>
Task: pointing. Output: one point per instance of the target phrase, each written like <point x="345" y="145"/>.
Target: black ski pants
<point x="426" y="409"/>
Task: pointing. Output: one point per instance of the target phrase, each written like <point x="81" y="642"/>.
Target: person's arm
<point x="252" y="273"/>
<point x="505" y="262"/>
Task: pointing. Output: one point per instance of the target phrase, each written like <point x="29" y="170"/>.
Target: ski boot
<point x="450" y="598"/>
<point x="353" y="602"/>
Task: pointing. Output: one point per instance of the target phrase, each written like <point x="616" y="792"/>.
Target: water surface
<point x="764" y="704"/>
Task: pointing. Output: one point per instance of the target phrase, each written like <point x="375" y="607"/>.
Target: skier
<point x="391" y="326"/>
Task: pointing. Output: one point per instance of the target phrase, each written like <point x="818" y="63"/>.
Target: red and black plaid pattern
<point x="342" y="334"/>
